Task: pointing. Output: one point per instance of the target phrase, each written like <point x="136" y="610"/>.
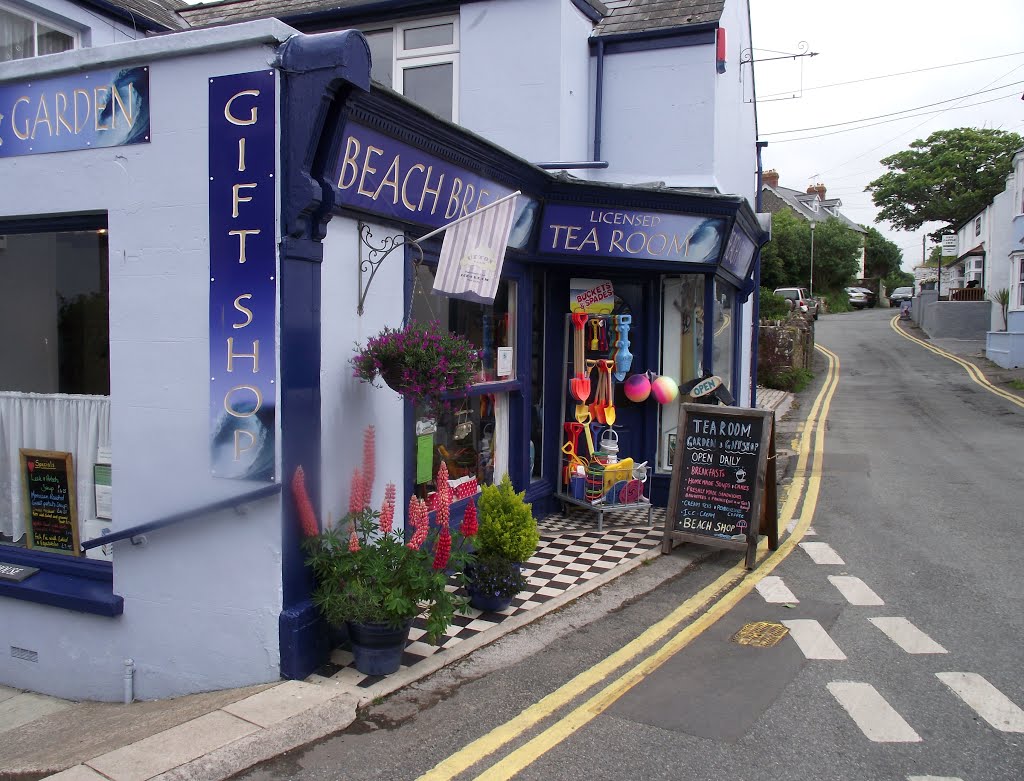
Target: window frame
<point x="36" y="20"/>
<point x="403" y="59"/>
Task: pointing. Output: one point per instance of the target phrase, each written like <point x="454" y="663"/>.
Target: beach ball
<point x="637" y="387"/>
<point x="664" y="390"/>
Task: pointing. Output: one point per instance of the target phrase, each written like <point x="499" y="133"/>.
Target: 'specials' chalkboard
<point x="50" y="508"/>
<point x="718" y="478"/>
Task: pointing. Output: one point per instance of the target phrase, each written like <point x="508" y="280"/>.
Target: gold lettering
<point x="100" y="105"/>
<point x="244" y="310"/>
<point x="480" y="198"/>
<point x="426" y="189"/>
<point x="467" y="198"/>
<point x="390" y="181"/>
<point x="125" y="112"/>
<point x="453" y="199"/>
<point x="42" y="117"/>
<point x="629" y="245"/>
<point x="405" y="182"/>
<point x="61" y="107"/>
<point x="368" y="169"/>
<point x="255" y="355"/>
<point x="557" y="229"/>
<point x="241" y="239"/>
<point x="591" y="239"/>
<point x="241" y="154"/>
<point x="237" y="199"/>
<point x="614" y="243"/>
<point x="256" y="393"/>
<point x="14" y="119"/>
<point x="678" y="248"/>
<point x="252" y="112"/>
<point x="240" y="450"/>
<point x="349" y="163"/>
<point x="79" y="126"/>
<point x="650" y="244"/>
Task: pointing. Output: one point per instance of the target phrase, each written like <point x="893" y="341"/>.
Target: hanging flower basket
<point x="422" y="362"/>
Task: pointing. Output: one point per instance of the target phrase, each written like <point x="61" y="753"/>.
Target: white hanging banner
<point x="473" y="252"/>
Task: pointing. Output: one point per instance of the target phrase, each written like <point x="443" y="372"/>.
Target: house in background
<point x="812" y="206"/>
<point x="1004" y="270"/>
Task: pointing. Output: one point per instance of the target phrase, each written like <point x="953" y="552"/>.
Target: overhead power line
<point x="893" y="75"/>
<point x="894" y="113"/>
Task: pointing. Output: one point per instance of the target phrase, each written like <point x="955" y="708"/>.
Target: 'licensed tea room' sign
<point x="49" y="493"/>
<point x="723" y="489"/>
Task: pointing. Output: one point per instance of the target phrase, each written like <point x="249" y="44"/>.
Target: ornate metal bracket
<point x="375" y="255"/>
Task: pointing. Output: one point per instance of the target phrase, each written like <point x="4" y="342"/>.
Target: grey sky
<point x="873" y="38"/>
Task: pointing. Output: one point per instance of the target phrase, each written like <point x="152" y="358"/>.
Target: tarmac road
<point x="904" y="609"/>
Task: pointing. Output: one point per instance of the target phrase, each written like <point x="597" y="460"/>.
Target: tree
<point x="786" y="259"/>
<point x="948" y="177"/>
<point x="882" y="258"/>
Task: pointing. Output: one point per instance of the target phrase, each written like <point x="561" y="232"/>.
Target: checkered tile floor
<point x="571" y="552"/>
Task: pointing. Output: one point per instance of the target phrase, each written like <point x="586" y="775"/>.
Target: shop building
<point x="188" y="274"/>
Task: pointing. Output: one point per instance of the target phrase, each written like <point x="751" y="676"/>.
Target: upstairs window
<point x="420" y="60"/>
<point x="22" y="36"/>
<point x="977" y="227"/>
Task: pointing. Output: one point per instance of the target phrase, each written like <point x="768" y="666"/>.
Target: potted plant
<point x="421" y="361"/>
<point x="506" y="537"/>
<point x="370" y="580"/>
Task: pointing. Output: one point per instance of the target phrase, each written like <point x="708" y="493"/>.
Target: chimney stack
<point x="771" y="178"/>
<point x="818" y="188"/>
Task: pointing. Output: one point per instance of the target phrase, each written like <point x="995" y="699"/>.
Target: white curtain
<point x="501" y="440"/>
<point x="64" y="423"/>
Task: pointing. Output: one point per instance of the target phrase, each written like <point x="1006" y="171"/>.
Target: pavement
<point x="216" y="735"/>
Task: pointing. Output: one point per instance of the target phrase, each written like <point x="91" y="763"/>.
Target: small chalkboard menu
<point x="50" y="509"/>
<point x="723" y="493"/>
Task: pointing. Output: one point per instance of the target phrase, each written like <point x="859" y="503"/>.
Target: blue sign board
<point x="590" y="231"/>
<point x="739" y="252"/>
<point x="243" y="273"/>
<point x="380" y="175"/>
<point x="98" y="108"/>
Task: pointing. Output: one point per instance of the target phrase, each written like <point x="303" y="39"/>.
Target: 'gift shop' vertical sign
<point x="243" y="273"/>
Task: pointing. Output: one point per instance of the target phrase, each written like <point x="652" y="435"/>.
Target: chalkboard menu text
<point x="718" y="495"/>
<point x="50" y="509"/>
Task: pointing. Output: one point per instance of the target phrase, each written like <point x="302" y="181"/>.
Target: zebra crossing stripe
<point x="907" y="636"/>
<point x="872" y="713"/>
<point x="855" y="590"/>
<point x="987" y="701"/>
<point x="813" y="640"/>
<point x="933" y="778"/>
<point x="774" y="590"/>
<point x="821" y="553"/>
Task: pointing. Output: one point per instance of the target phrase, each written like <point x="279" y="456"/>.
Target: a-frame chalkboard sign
<point x="723" y="490"/>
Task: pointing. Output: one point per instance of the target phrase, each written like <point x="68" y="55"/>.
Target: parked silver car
<point x="858" y="298"/>
<point x="799" y="299"/>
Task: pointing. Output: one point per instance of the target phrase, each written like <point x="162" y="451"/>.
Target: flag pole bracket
<point x="372" y="255"/>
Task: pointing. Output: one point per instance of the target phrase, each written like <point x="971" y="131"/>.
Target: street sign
<point x="949" y="245"/>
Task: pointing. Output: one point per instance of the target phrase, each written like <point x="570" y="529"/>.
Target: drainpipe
<point x="756" y="324"/>
<point x="598" y="99"/>
<point x="129" y="681"/>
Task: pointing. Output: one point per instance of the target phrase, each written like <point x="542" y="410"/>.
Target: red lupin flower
<point x="357" y="492"/>
<point x="469" y="522"/>
<point x="387" y="510"/>
<point x="369" y="460"/>
<point x="442" y="548"/>
<point x="307" y="515"/>
<point x="353" y="540"/>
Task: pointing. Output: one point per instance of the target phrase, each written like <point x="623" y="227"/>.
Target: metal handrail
<point x="224" y="504"/>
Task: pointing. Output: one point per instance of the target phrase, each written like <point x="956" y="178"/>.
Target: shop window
<point x="470" y="435"/>
<point x="977" y="226"/>
<point x="421" y="61"/>
<point x="23" y="36"/>
<point x="682" y="348"/>
<point x="537" y="361"/>
<point x="722" y="333"/>
<point x="1017" y="297"/>
<point x="55" y="361"/>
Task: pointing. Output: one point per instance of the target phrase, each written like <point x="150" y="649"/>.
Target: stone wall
<point x="785" y="344"/>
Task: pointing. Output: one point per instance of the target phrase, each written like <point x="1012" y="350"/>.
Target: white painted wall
<point x="92" y="27"/>
<point x="998" y="265"/>
<point x="349" y="405"/>
<point x="735" y="129"/>
<point x="532" y="102"/>
<point x="201" y="599"/>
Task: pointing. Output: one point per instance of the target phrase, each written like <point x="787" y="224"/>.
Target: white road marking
<point x="813" y="639"/>
<point x="907" y="636"/>
<point x="933" y="778"/>
<point x="990" y="703"/>
<point x="870" y="711"/>
<point x="774" y="590"/>
<point x="855" y="590"/>
<point x="821" y="553"/>
<point x="792" y="525"/>
<point x="810" y="532"/>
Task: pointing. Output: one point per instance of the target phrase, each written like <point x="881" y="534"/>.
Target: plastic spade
<point x="579" y="385"/>
<point x="609" y="398"/>
<point x="623" y="357"/>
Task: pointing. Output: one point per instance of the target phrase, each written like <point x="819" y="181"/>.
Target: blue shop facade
<point x="243" y="249"/>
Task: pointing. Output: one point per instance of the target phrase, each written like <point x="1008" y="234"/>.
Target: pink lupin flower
<point x="353" y="540"/>
<point x="304" y="507"/>
<point x="442" y="548"/>
<point x="357" y="492"/>
<point x="413" y="519"/>
<point x="442" y="478"/>
<point x="470" y="525"/>
<point x="422" y="525"/>
<point x="387" y="510"/>
<point x="369" y="460"/>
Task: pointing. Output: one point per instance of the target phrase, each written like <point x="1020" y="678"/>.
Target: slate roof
<point x="620" y="16"/>
<point x="800" y="203"/>
<point x="155" y="15"/>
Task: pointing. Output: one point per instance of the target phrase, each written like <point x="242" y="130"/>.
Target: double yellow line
<point x="712" y="602"/>
<point x="972" y="371"/>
